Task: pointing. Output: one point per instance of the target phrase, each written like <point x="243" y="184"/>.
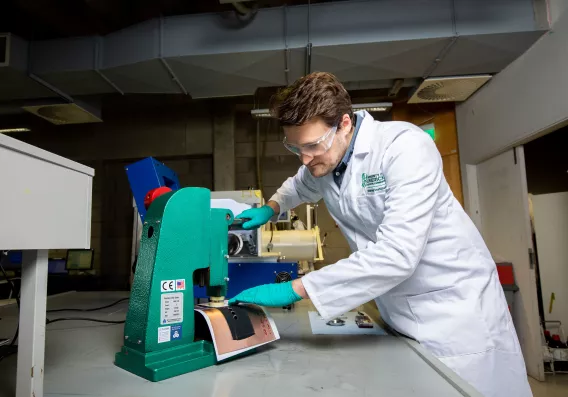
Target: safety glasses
<point x="315" y="148"/>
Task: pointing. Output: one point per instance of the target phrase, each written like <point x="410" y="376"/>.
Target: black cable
<point x="48" y="321"/>
<point x="9" y="280"/>
<point x="15" y="338"/>
<point x="95" y="320"/>
<point x="271" y="233"/>
<point x="269" y="246"/>
<point x="13" y="288"/>
<point x="9" y="351"/>
<point x="89" y="310"/>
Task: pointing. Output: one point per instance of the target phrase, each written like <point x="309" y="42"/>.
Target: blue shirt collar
<point x="339" y="171"/>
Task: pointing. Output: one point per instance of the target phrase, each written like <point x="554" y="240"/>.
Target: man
<point x="415" y="251"/>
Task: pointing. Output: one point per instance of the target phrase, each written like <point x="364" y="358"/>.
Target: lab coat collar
<point x="363" y="142"/>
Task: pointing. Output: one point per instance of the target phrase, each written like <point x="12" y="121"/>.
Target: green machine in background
<point x="183" y="240"/>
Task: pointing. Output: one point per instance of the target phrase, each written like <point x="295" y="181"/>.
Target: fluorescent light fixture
<point x="260" y="113"/>
<point x="369" y="107"/>
<point x="9" y="130"/>
<point x="373" y="107"/>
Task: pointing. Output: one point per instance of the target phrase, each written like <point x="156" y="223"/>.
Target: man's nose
<point x="306" y="158"/>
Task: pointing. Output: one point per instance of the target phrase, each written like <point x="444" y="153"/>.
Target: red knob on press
<point x="154" y="194"/>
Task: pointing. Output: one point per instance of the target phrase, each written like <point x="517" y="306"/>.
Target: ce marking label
<point x="168" y="285"/>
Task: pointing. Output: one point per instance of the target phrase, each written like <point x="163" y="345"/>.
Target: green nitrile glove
<point x="274" y="295"/>
<point x="257" y="216"/>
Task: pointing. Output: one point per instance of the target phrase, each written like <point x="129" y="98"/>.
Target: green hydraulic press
<point x="184" y="241"/>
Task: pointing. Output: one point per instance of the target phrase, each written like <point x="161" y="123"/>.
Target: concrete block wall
<point x="181" y="131"/>
<point x="276" y="163"/>
<point x="180" y="134"/>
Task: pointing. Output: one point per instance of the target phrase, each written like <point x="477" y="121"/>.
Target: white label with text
<point x="164" y="334"/>
<point x="172" y="308"/>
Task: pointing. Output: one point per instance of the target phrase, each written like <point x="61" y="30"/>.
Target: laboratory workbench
<point x="79" y="361"/>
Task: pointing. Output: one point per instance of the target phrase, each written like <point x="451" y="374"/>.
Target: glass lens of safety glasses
<point x="316" y="148"/>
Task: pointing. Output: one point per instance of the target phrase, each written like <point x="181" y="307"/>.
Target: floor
<point x="555" y="386"/>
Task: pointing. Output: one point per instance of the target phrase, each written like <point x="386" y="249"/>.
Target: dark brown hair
<point x="318" y="94"/>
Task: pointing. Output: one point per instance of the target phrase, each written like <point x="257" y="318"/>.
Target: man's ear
<point x="346" y="124"/>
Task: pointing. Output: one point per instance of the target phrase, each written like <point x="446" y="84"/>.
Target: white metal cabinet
<point x="45" y="203"/>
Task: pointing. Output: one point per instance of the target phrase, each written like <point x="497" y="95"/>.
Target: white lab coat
<point x="417" y="253"/>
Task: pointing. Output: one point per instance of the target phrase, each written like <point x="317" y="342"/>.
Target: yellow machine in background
<point x="302" y="245"/>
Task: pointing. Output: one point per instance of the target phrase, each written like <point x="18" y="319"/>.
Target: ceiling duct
<point x="66" y="113"/>
<point x="33" y="94"/>
<point x="448" y="89"/>
<point x="200" y="56"/>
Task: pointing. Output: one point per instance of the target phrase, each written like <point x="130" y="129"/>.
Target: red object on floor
<point x="154" y="194"/>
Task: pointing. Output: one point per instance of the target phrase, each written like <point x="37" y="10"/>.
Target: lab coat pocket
<point x="370" y="209"/>
<point x="449" y="322"/>
<point x="368" y="213"/>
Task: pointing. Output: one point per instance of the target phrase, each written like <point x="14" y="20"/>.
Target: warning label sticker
<point x="164" y="334"/>
<point x="172" y="308"/>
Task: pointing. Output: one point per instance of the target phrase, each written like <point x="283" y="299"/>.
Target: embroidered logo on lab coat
<point x="373" y="183"/>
